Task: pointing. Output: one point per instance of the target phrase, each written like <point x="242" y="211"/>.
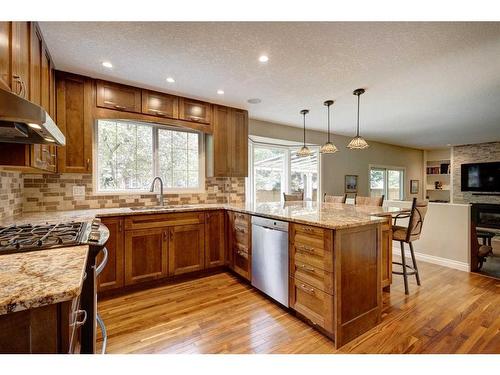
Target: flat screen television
<point x="483" y="177"/>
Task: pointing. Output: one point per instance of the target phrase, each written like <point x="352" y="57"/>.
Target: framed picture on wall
<point x="351" y="183"/>
<point x="414" y="186"/>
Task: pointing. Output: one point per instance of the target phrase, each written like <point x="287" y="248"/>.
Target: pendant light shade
<point x="358" y="143"/>
<point x="304" y="151"/>
<point x="328" y="147"/>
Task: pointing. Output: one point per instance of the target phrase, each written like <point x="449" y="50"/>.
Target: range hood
<point x="22" y="121"/>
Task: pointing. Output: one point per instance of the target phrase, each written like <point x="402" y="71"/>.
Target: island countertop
<point x="39" y="278"/>
<point x="326" y="215"/>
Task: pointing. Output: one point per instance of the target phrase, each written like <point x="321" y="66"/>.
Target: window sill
<point x="147" y="192"/>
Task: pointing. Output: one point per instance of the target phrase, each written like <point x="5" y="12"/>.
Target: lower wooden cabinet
<point x="146" y="252"/>
<point x="239" y="244"/>
<point x="215" y="254"/>
<point x="112" y="275"/>
<point x="387" y="253"/>
<point x="186" y="249"/>
<point x="312" y="303"/>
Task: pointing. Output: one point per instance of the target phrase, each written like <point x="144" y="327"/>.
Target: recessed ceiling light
<point x="107" y="64"/>
<point x="170" y="80"/>
<point x="263" y="58"/>
<point x="220" y="92"/>
<point x="254" y="101"/>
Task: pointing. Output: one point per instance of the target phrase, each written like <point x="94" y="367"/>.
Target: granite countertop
<point x="327" y="215"/>
<point x="39" y="278"/>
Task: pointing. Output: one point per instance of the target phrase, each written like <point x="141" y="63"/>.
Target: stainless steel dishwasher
<point x="270" y="258"/>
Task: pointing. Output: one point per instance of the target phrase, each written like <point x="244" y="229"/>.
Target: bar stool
<point x="408" y="235"/>
<point x="293" y="197"/>
<point x="334" y="198"/>
<point x="369" y="201"/>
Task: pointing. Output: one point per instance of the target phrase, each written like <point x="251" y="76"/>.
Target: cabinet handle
<point x="158" y="112"/>
<point x="241" y="230"/>
<point x="79" y="323"/>
<point x="306" y="268"/>
<point x="165" y="235"/>
<point x="22" y="87"/>
<point x="306" y="289"/>
<point x="120" y="106"/>
<point x="307" y="249"/>
<point x="120" y="226"/>
<point x="196" y="119"/>
<point x="88" y="164"/>
<point x="308" y="229"/>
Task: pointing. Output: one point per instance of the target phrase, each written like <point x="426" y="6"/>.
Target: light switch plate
<point x="78" y="191"/>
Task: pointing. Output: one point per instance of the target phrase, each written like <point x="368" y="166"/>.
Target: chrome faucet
<point x="161" y="188"/>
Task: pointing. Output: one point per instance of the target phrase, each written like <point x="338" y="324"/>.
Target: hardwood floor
<point x="452" y="312"/>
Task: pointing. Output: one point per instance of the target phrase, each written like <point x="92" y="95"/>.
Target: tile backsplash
<point x="11" y="197"/>
<point x="54" y="192"/>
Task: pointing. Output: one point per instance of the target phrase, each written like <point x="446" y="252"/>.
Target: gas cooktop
<point x="18" y="238"/>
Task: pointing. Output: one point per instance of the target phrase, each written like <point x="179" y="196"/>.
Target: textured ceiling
<point x="428" y="84"/>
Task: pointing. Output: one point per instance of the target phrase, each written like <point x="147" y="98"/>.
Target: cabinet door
<point x="21" y="58"/>
<point x="36" y="66"/>
<point x="112" y="275"/>
<point x="186" y="249"/>
<point x="6" y="55"/>
<point x="214" y="239"/>
<point x="195" y="110"/>
<point x="145" y="255"/>
<point x="239" y="143"/>
<point x="74" y="118"/>
<point x="119" y="97"/>
<point x="157" y="104"/>
<point x="222" y="147"/>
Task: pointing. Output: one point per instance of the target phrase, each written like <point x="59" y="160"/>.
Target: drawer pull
<point x="119" y="106"/>
<point x="306" y="268"/>
<point x="306" y="289"/>
<point x="307" y="249"/>
<point x="308" y="229"/>
<point x="79" y="323"/>
<point x="241" y="230"/>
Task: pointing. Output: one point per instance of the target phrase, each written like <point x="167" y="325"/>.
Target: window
<point x="275" y="170"/>
<point x="130" y="154"/>
<point x="387" y="181"/>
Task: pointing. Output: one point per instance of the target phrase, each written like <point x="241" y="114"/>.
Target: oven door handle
<point x="101" y="266"/>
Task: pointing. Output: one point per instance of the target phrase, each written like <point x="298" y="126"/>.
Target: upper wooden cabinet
<point x="230" y="142"/>
<point x="162" y="105"/>
<point x="195" y="110"/>
<point x="74" y="117"/>
<point x="119" y="97"/>
<point x="5" y="55"/>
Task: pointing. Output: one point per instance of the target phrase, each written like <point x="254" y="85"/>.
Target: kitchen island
<point x="337" y="263"/>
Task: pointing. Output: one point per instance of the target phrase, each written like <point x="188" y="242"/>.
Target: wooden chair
<point x="293" y="197"/>
<point x="369" y="201"/>
<point x="408" y="235"/>
<point x="479" y="252"/>
<point x="334" y="198"/>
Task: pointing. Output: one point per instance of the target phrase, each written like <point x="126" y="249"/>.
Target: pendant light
<point x="357" y="143"/>
<point x="328" y="147"/>
<point x="304" y="151"/>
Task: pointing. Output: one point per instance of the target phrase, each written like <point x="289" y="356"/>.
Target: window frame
<point x="250" y="186"/>
<point x="386" y="168"/>
<point x="155" y="127"/>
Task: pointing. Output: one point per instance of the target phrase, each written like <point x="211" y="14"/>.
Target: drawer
<point x="314" y="276"/>
<point x="310" y="230"/>
<point x="241" y="235"/>
<point x="241" y="220"/>
<point x="312" y="303"/>
<point x="241" y="261"/>
<point x="146" y="221"/>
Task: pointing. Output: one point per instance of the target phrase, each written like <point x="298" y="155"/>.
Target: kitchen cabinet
<point x="230" y="142"/>
<point x="146" y="252"/>
<point x="161" y="105"/>
<point x="239" y="244"/>
<point x="26" y="69"/>
<point x="195" y="110"/>
<point x="387" y="253"/>
<point x="186" y="249"/>
<point x="112" y="275"/>
<point x="74" y="118"/>
<point x="118" y="97"/>
<point x="215" y="239"/>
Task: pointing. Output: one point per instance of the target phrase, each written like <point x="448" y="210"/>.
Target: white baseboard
<point x="461" y="266"/>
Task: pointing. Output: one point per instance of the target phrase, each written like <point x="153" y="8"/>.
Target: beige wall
<point x="335" y="167"/>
